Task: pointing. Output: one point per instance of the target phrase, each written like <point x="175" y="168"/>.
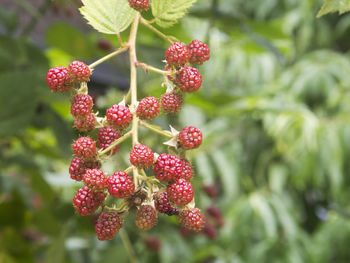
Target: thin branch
<point x="155" y="30"/>
<point x="157" y="129"/>
<point x="115" y="143"/>
<point x="147" y="68"/>
<point x="128" y="246"/>
<point x="105" y="58"/>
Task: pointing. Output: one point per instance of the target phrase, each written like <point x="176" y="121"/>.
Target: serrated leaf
<point x="108" y="16"/>
<point x="167" y="12"/>
<point x="331" y="6"/>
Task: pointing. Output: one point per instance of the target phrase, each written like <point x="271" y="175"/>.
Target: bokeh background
<point x="272" y="176"/>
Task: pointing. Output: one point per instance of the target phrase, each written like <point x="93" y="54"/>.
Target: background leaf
<point x="331" y="6"/>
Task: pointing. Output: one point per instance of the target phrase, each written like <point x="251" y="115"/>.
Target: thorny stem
<point x="147" y="67"/>
<point x="155" y="30"/>
<point x="115" y="143"/>
<point x="157" y="129"/>
<point x="101" y="60"/>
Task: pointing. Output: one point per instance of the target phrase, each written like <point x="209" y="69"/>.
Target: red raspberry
<point x="86" y="123"/>
<point x="141" y="156"/>
<point x="85" y="148"/>
<point x="189" y="79"/>
<point x="95" y="179"/>
<point x="120" y="185"/>
<point x="119" y="117"/>
<point x="189" y="138"/>
<point x="211" y="190"/>
<point x="171" y="102"/>
<point x="57" y="79"/>
<point x="216" y="214"/>
<point x="177" y="54"/>
<point x="148" y="108"/>
<point x="108" y="225"/>
<point x="81" y="105"/>
<point x="78" y="167"/>
<point x="210" y="231"/>
<point x="139" y="5"/>
<point x="86" y="201"/>
<point x="170" y="77"/>
<point x="79" y="71"/>
<point x="152" y="243"/>
<point x="168" y="167"/>
<point x="146" y="217"/>
<point x="191" y="219"/>
<point x="187" y="171"/>
<point x="180" y="192"/>
<point x="105" y="137"/>
<point x="162" y="204"/>
<point x="199" y="52"/>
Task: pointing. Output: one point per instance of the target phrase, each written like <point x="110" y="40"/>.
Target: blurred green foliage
<point x="274" y="109"/>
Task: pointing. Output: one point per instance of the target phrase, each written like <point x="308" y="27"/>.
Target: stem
<point x="105" y="58"/>
<point x="115" y="143"/>
<point x="155" y="30"/>
<point x="128" y="246"/>
<point x="147" y="67"/>
<point x="157" y="129"/>
<point x="128" y="170"/>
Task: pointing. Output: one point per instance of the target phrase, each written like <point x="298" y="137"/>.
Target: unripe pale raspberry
<point x="168" y="167"/>
<point x="108" y="225"/>
<point x="120" y="185"/>
<point x="191" y="219"/>
<point x="189" y="79"/>
<point x="81" y="105"/>
<point x="187" y="171"/>
<point x="139" y="5"/>
<point x="180" y="192"/>
<point x="105" y="137"/>
<point x="189" y="138"/>
<point x="86" y="201"/>
<point x="85" y="123"/>
<point x="85" y="148"/>
<point x="146" y="217"/>
<point x="162" y="204"/>
<point x="148" y="108"/>
<point x="199" y="52"/>
<point x="177" y="54"/>
<point x="78" y="167"/>
<point x="141" y="156"/>
<point x="57" y="79"/>
<point x="95" y="179"/>
<point x="119" y="117"/>
<point x="171" y="102"/>
<point x="79" y="71"/>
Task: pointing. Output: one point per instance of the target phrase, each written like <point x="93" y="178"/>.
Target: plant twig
<point x="155" y="30"/>
<point x="105" y="58"/>
<point x="128" y="246"/>
<point x="157" y="129"/>
<point x="147" y="67"/>
<point x="115" y="143"/>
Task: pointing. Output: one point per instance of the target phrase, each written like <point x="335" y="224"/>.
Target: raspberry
<point x="141" y="156"/>
<point x="139" y="5"/>
<point x="86" y="123"/>
<point x="146" y="217"/>
<point x="105" y="137"/>
<point x="148" y="108"/>
<point x="120" y="185"/>
<point x="191" y="219"/>
<point x="210" y="231"/>
<point x="85" y="148"/>
<point x="187" y="171"/>
<point x="95" y="179"/>
<point x="119" y="117"/>
<point x="81" y="105"/>
<point x="211" y="190"/>
<point x="177" y="54"/>
<point x="171" y="102"/>
<point x="168" y="167"/>
<point x="180" y="192"/>
<point x="170" y="77"/>
<point x="189" y="79"/>
<point x="162" y="204"/>
<point x="108" y="225"/>
<point x="86" y="201"/>
<point x="57" y="79"/>
<point x="77" y="169"/>
<point x="199" y="52"/>
<point x="152" y="243"/>
<point x="189" y="138"/>
<point x="79" y="71"/>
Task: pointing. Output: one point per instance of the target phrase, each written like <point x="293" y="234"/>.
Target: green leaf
<point x="167" y="12"/>
<point x="331" y="6"/>
<point x="108" y="16"/>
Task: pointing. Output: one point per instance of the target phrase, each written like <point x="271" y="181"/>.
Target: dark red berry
<point x="199" y="52"/>
<point x="148" y="108"/>
<point x="189" y="79"/>
<point x="177" y="54"/>
<point x="184" y="232"/>
<point x="187" y="171"/>
<point x="146" y="217"/>
<point x="81" y="105"/>
<point x="120" y="185"/>
<point x="168" y="167"/>
<point x="152" y="243"/>
<point x="86" y="201"/>
<point x="79" y="71"/>
<point x="162" y="204"/>
<point x="95" y="179"/>
<point x="78" y="167"/>
<point x="85" y="148"/>
<point x="57" y="79"/>
<point x="209" y="231"/>
<point x="119" y="117"/>
<point x="211" y="190"/>
<point x="191" y="219"/>
<point x="104" y="44"/>
<point x="141" y="156"/>
<point x="189" y="138"/>
<point x="108" y="225"/>
<point x="215" y="213"/>
<point x="85" y="123"/>
<point x="105" y="137"/>
<point x="180" y="192"/>
<point x="171" y="102"/>
<point x="139" y="5"/>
